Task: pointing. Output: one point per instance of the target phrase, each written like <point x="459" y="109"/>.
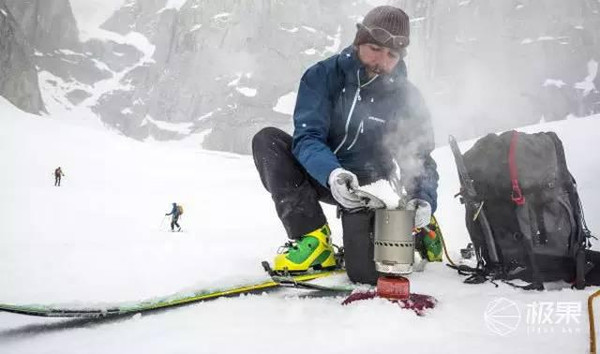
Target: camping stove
<point x="394" y="251"/>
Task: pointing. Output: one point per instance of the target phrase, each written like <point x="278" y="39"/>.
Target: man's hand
<point x="342" y="184"/>
<point x="422" y="212"/>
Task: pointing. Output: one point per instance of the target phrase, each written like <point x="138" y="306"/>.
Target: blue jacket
<point x="174" y="211"/>
<point x="342" y="119"/>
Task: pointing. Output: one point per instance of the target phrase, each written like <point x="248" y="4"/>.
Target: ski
<point x="288" y="279"/>
<point x="179" y="299"/>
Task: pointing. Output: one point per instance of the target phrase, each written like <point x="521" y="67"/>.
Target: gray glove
<point x="343" y="183"/>
<point x="422" y="212"/>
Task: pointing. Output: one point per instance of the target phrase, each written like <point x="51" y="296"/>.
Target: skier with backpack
<point x="175" y="213"/>
<point x="357" y="117"/>
<point x="58" y="173"/>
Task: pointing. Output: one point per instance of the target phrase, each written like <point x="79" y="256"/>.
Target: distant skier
<point x="58" y="173"/>
<point x="175" y="214"/>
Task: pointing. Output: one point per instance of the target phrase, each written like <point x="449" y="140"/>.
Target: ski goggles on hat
<point x="383" y="36"/>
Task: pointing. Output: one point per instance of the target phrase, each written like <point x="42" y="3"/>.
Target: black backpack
<point x="523" y="213"/>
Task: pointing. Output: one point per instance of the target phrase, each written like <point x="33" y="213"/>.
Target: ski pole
<point x="162" y="222"/>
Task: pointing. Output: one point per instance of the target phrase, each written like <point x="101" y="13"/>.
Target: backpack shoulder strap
<point x="579" y="241"/>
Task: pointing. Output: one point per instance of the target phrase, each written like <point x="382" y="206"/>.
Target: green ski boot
<point x="313" y="250"/>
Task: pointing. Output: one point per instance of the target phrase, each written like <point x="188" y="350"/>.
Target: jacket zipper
<point x="356" y="95"/>
<point x="358" y="131"/>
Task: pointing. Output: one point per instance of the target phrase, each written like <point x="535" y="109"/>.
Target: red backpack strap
<point x="516" y="195"/>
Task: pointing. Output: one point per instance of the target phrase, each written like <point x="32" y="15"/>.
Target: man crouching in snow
<point x="356" y="117"/>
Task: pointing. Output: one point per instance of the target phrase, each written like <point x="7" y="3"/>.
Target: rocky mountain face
<point x="223" y="65"/>
<point x="47" y="25"/>
<point x="18" y="75"/>
<point x="168" y="69"/>
<point x="71" y="72"/>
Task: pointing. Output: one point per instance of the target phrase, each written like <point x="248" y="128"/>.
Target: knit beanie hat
<point x="394" y="22"/>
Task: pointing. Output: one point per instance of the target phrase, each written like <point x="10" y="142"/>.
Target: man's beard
<point x="375" y="70"/>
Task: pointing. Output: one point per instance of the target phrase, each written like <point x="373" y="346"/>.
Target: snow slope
<point x="101" y="238"/>
<point x="90" y="14"/>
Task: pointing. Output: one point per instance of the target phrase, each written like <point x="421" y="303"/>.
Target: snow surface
<point x="174" y="4"/>
<point x="221" y="15"/>
<point x="328" y="50"/>
<point x="196" y="27"/>
<point x="335" y="46"/>
<point x="247" y="91"/>
<point x="587" y="85"/>
<point x="285" y="104"/>
<point x="182" y="128"/>
<point x="291" y="30"/>
<point x="102" y="238"/>
<point x="90" y="14"/>
<point x="553" y="82"/>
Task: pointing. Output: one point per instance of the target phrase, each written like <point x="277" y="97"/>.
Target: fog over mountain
<point x="222" y="69"/>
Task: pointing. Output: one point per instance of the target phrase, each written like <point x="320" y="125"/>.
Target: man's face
<point x="377" y="59"/>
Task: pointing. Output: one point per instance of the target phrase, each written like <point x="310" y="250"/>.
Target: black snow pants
<point x="174" y="223"/>
<point x="296" y="196"/>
